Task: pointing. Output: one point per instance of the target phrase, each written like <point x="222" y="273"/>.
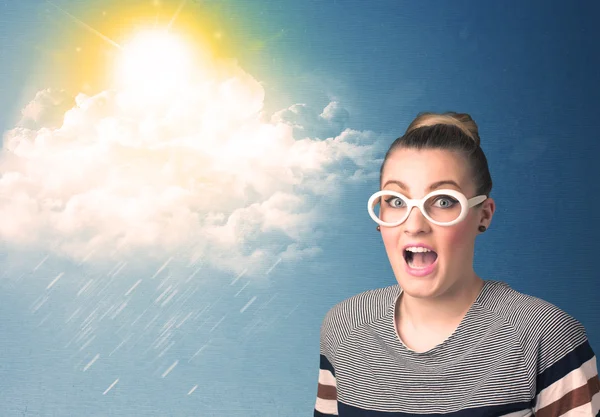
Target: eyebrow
<point x="432" y="187"/>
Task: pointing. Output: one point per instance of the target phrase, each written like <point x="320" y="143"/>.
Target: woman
<point x="445" y="341"/>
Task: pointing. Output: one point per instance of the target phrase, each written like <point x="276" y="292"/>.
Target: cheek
<point x="390" y="240"/>
<point x="459" y="237"/>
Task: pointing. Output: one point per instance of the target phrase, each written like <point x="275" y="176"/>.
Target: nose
<point x="416" y="222"/>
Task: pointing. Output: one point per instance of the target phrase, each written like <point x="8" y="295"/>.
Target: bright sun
<point x="155" y="64"/>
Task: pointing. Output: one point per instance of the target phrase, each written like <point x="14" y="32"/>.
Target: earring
<point x="378" y="228"/>
<point x="482" y="228"/>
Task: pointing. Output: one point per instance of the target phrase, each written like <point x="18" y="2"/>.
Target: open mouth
<point x="417" y="257"/>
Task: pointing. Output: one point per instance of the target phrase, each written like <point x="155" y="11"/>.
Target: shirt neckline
<point x="438" y="351"/>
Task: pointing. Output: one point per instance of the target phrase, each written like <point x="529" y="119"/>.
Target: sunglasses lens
<point x="443" y="208"/>
<point x="390" y="208"/>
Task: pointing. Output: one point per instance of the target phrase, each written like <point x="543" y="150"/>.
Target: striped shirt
<point x="512" y="355"/>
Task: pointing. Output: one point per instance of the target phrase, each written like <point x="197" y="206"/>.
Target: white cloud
<point x="200" y="174"/>
<point x="46" y="110"/>
<point x="308" y="123"/>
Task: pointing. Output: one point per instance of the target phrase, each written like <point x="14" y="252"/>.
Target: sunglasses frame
<point x="420" y="203"/>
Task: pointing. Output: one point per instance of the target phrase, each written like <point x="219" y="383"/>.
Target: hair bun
<point x="461" y="120"/>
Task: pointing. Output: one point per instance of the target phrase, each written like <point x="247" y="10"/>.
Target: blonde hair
<point x="451" y="131"/>
<point x="462" y="121"/>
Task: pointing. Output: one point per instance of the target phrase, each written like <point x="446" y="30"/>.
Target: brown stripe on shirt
<point x="577" y="397"/>
<point x="327" y="392"/>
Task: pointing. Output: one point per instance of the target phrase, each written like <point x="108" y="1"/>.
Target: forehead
<point x="418" y="169"/>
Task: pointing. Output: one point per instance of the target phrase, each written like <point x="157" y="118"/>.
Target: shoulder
<point x="528" y="312"/>
<point x="546" y="330"/>
<point x="355" y="311"/>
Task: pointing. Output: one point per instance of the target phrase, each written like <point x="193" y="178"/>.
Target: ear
<point x="486" y="212"/>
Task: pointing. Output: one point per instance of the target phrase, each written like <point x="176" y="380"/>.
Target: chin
<point x="420" y="290"/>
<point x="437" y="286"/>
<point x="419" y="287"/>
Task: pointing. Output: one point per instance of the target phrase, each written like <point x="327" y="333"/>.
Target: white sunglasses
<point x="391" y="215"/>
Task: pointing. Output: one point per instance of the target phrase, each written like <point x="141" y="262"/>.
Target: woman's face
<point x="417" y="170"/>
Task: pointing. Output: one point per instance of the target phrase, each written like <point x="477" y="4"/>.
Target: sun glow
<point x="176" y="155"/>
<point x="155" y="64"/>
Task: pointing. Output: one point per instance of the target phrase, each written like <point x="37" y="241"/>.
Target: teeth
<point x="417" y="267"/>
<point x="417" y="249"/>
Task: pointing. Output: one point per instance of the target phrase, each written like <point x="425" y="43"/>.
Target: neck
<point x="445" y="310"/>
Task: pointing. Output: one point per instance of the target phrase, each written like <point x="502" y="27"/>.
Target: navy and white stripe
<point x="512" y="354"/>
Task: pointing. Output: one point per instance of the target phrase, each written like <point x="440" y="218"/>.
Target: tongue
<point x="423" y="259"/>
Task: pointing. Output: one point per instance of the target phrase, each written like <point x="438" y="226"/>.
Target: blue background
<point x="526" y="71"/>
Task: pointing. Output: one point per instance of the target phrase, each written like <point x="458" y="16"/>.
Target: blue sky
<point x="211" y="329"/>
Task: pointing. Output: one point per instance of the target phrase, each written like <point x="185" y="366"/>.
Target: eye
<point x="445" y="202"/>
<point x="394" y="202"/>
